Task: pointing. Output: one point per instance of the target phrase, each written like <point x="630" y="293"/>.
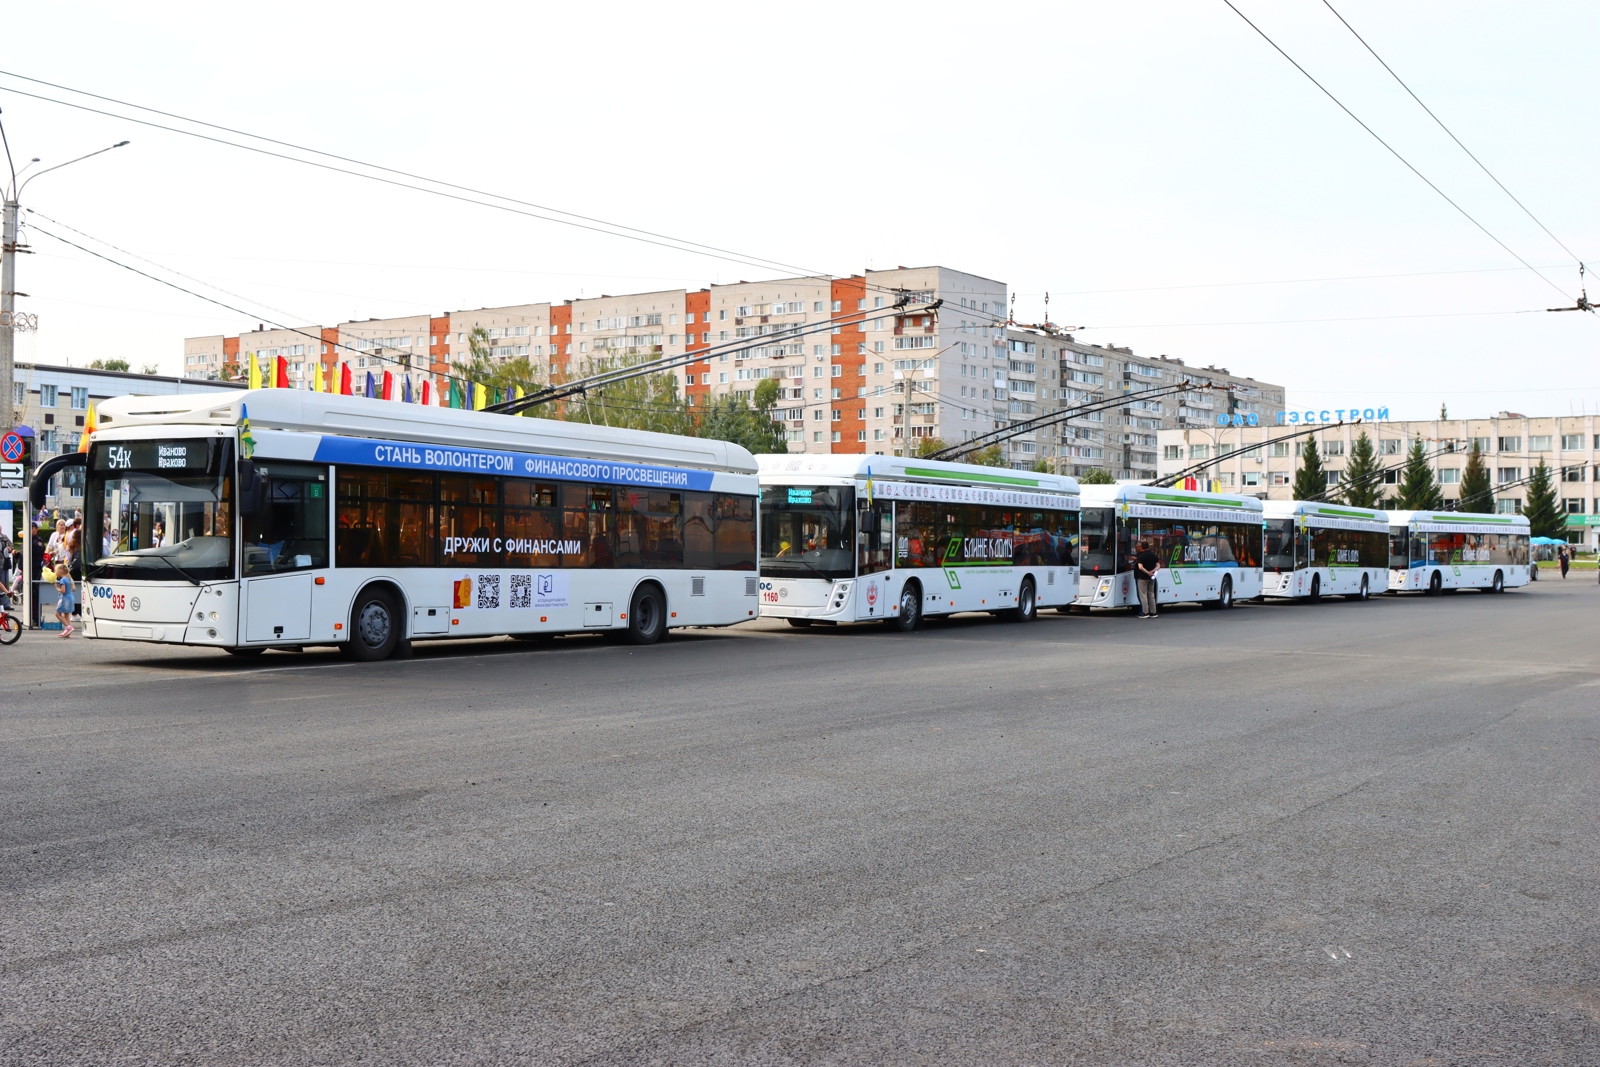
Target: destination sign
<point x="152" y="455"/>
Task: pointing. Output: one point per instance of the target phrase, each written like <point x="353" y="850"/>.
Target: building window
<point x="47" y="440"/>
<point x="1482" y="443"/>
<point x="1572" y="474"/>
<point x="1509" y="474"/>
<point x="1389" y="446"/>
<point x="817" y="434"/>
<point x="1450" y="476"/>
<point x="1199" y="451"/>
<point x="1280" y="478"/>
<point x="47" y="396"/>
<point x="1508" y="507"/>
<point x="1332" y="476"/>
<point x="1280" y="449"/>
<point x="1333" y="448"/>
<point x="1172" y="452"/>
<point x="1573" y="505"/>
<point x="1572" y="442"/>
<point x="80" y="397"/>
<point x="877" y="435"/>
<point x="1539" y="443"/>
<point x="1510" y="444"/>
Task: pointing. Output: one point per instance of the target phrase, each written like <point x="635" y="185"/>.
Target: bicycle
<point x="10" y="626"/>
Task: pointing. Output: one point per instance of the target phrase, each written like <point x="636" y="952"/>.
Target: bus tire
<point x="1435" y="584"/>
<point x="375" y="626"/>
<point x="798" y="624"/>
<point x="910" y="616"/>
<point x="1366" y="590"/>
<point x="647" y="615"/>
<point x="1499" y="585"/>
<point x="1316" y="588"/>
<point x="1027" y="608"/>
<point x="1225" y="594"/>
<point x="244" y="651"/>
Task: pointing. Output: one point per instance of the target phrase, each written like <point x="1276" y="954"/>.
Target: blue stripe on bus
<point x="371" y="453"/>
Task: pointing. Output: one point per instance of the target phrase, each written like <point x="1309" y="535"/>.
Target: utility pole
<point x="10" y="321"/>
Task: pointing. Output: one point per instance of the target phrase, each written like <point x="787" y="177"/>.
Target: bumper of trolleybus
<point x="162" y="612"/>
<point x="808" y="598"/>
<point x="1280" y="583"/>
<point x="1106" y="591"/>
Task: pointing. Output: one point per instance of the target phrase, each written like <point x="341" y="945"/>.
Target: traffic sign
<point x="10" y="476"/>
<point x="11" y="447"/>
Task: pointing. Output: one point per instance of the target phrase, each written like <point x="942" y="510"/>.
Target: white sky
<point x="1071" y="148"/>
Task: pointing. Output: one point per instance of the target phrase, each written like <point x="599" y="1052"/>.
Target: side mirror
<point x="249" y="489"/>
<point x="869" y="522"/>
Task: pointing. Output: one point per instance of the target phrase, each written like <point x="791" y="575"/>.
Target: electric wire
<point x="1390" y="148"/>
<point x="1452" y="136"/>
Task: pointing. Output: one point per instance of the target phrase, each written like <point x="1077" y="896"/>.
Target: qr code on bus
<point x="488" y="592"/>
<point x="521" y="591"/>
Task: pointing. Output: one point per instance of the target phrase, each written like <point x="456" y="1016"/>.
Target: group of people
<point x="57" y="558"/>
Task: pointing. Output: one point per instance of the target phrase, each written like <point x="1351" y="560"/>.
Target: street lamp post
<point x="8" y="276"/>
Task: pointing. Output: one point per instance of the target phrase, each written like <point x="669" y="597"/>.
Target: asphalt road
<point x="1285" y="834"/>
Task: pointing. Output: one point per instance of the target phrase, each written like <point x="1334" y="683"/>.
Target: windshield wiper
<point x="102" y="562"/>
<point x="191" y="579"/>
<point x="784" y="560"/>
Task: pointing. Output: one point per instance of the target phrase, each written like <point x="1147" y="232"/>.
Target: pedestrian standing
<point x="1564" y="558"/>
<point x="64" y="599"/>
<point x="1146" y="563"/>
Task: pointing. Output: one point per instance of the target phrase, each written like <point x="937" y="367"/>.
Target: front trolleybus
<point x="1314" y="549"/>
<point x="864" y="538"/>
<point x="1435" y="551"/>
<point x="280" y="518"/>
<point x="1209" y="545"/>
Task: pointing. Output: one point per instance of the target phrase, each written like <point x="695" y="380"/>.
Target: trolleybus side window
<point x="875" y="537"/>
<point x="1346" y="548"/>
<point x="287" y="528"/>
<point x="699" y="544"/>
<point x="735" y="532"/>
<point x="649" y="528"/>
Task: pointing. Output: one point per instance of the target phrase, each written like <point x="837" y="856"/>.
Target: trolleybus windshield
<point x="159" y="510"/>
<point x="808" y="531"/>
<point x="1279" y="554"/>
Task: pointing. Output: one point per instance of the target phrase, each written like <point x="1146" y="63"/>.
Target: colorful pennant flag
<point x="427" y="387"/>
<point x="480" y="397"/>
<point x="280" y="373"/>
<point x="89" y="427"/>
<point x="372" y="387"/>
<point x="405" y="393"/>
<point x="345" y="388"/>
<point x="247" y="443"/>
<point x="386" y="389"/>
<point x="255" y="372"/>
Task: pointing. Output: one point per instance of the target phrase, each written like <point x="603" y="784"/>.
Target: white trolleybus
<point x="1209" y="545"/>
<point x="1314" y="549"/>
<point x="863" y="538"/>
<point x="1435" y="551"/>
<point x="334" y="520"/>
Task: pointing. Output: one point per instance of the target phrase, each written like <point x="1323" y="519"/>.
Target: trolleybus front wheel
<point x="910" y="609"/>
<point x="374" y="627"/>
<point x="1366" y="590"/>
<point x="1435" y="584"/>
<point x="1316" y="588"/>
<point x="1225" y="594"/>
<point x="1499" y="585"/>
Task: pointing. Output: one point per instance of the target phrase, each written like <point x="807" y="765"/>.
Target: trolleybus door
<point x="285" y="541"/>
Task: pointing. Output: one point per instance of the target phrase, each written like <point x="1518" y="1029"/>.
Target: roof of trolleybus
<point x="1102" y="496"/>
<point x="1471" y="522"/>
<point x="856" y="467"/>
<point x="336" y="416"/>
<point x="1315" y="510"/>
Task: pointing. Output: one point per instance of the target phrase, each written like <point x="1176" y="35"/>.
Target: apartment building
<point x="871" y="363"/>
<point x="1048" y="370"/>
<point x="1255" y="460"/>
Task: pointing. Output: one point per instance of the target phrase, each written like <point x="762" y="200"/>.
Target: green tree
<point x="1542" y="509"/>
<point x="482" y="368"/>
<point x="109" y="364"/>
<point x="1096" y="476"/>
<point x="1477" y="494"/>
<point x="732" y="418"/>
<point x="150" y="368"/>
<point x="927" y="446"/>
<point x="1444" y="412"/>
<point x="1363" y="478"/>
<point x="1043" y="466"/>
<point x="993" y="456"/>
<point x="1418" y="490"/>
<point x="1310" y="481"/>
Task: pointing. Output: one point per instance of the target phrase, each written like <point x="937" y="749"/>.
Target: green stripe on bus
<point x="923" y="472"/>
<point x="1480" y="521"/>
<point x="1346" y="514"/>
<point x="1179" y="498"/>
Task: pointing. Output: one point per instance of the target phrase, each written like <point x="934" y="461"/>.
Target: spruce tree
<point x="1310" y="481"/>
<point x="1544" y="513"/>
<point x="1418" y="492"/>
<point x="1363" y="478"/>
<point x="1477" y="494"/>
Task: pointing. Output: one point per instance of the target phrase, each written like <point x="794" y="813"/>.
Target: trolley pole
<point x="8" y="310"/>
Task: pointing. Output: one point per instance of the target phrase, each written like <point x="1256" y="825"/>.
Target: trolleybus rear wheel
<point x="647" y="616"/>
<point x="1027" y="608"/>
<point x="1499" y="583"/>
<point x="1225" y="594"/>
<point x="1366" y="590"/>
